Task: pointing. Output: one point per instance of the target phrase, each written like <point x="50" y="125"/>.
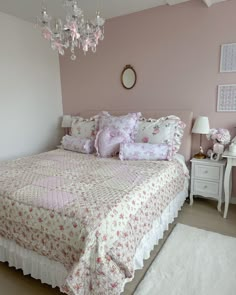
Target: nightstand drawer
<point x="211" y="188"/>
<point x="207" y="172"/>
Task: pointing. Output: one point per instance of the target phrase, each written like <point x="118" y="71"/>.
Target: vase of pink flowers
<point x="220" y="138"/>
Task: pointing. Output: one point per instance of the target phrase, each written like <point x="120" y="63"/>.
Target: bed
<point x="84" y="223"/>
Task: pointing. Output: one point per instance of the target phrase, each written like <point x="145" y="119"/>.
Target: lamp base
<point x="199" y="156"/>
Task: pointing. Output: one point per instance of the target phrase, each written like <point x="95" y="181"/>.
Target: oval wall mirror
<point x="128" y="77"/>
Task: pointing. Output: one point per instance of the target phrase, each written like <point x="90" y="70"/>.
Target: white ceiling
<point x="29" y="9"/>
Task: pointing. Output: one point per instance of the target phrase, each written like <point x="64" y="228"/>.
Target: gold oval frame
<point x="128" y="67"/>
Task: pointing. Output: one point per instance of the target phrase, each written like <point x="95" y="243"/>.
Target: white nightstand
<point x="207" y="179"/>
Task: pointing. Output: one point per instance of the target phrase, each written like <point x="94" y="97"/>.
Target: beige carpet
<point x="192" y="262"/>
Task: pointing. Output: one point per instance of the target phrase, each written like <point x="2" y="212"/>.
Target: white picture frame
<point x="226" y="101"/>
<point x="228" y="58"/>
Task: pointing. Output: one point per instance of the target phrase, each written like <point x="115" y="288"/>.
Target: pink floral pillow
<point x="78" y="144"/>
<point x="168" y="130"/>
<point x="84" y="128"/>
<point x="145" y="151"/>
<point x="127" y="124"/>
<point x="108" y="142"/>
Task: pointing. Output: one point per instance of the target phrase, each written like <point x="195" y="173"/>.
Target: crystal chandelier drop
<point x="73" y="32"/>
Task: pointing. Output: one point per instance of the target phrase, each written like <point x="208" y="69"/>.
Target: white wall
<point x="30" y="90"/>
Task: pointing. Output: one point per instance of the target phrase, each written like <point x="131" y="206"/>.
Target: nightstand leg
<point x="191" y="199"/>
<point x="219" y="205"/>
<point x="227" y="185"/>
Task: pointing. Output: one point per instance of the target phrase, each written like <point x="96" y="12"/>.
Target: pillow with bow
<point x="108" y="141"/>
<point x="126" y="124"/>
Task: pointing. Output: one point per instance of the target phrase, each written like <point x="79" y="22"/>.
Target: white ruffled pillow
<point x="168" y="130"/>
<point x="78" y="144"/>
<point x="84" y="128"/>
<point x="145" y="151"/>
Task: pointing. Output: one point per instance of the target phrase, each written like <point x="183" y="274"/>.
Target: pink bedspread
<point x="87" y="213"/>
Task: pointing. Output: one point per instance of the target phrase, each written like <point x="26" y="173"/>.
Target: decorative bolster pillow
<point x="78" y="144"/>
<point x="145" y="151"/>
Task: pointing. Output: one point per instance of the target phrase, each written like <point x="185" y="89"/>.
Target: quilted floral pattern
<point x="78" y="144"/>
<point x="86" y="212"/>
<point x="84" y="128"/>
<point x="145" y="151"/>
<point x="168" y="130"/>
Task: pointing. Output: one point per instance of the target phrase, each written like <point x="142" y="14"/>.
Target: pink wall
<point x="175" y="51"/>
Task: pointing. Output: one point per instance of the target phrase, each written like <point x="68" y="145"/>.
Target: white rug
<point x="192" y="262"/>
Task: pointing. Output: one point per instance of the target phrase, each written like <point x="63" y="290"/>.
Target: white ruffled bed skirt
<point x="39" y="267"/>
<point x="160" y="225"/>
<point x="54" y="273"/>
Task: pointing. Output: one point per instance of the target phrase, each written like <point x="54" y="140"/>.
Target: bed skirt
<point x="54" y="273"/>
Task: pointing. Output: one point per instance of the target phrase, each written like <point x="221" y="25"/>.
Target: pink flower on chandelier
<point x="86" y="44"/>
<point x="97" y="35"/>
<point x="47" y="34"/>
<point x="73" y="30"/>
<point x="58" y="46"/>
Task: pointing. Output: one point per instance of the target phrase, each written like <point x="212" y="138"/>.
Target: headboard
<point x="185" y="115"/>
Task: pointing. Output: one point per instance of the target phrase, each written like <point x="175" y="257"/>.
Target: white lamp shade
<point x="66" y="121"/>
<point x="201" y="125"/>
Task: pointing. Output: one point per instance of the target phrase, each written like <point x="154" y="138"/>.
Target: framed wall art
<point x="228" y="58"/>
<point x="226" y="98"/>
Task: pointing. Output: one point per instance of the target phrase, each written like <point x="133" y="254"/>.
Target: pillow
<point x="168" y="130"/>
<point x="127" y="124"/>
<point x="84" y="128"/>
<point x="108" y="141"/>
<point x="78" y="144"/>
<point x="145" y="151"/>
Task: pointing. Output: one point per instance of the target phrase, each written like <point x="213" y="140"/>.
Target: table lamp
<point x="66" y="123"/>
<point x="201" y="126"/>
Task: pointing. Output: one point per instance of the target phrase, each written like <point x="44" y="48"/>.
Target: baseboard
<point x="233" y="200"/>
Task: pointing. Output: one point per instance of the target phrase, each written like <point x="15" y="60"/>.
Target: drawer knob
<point x="205" y="187"/>
<point x="205" y="171"/>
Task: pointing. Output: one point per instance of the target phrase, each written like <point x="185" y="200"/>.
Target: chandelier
<point x="73" y="32"/>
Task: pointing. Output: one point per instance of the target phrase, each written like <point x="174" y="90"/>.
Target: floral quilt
<point x="88" y="213"/>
